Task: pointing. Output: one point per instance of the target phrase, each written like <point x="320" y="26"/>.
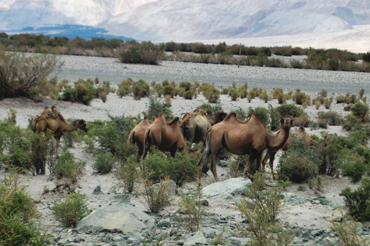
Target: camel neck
<point x="277" y="140"/>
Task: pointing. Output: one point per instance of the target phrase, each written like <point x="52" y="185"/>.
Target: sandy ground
<point x="304" y="215"/>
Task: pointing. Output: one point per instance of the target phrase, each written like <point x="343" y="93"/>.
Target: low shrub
<point x="187" y="90"/>
<point x="233" y="93"/>
<point x="261" y="210"/>
<point x="17" y="214"/>
<point x="83" y="91"/>
<point x="274" y="118"/>
<point x="68" y="167"/>
<point x="350" y="123"/>
<point x="128" y="174"/>
<point x="140" y="89"/>
<point x="70" y="211"/>
<point x="212" y="94"/>
<point x="361" y="112"/>
<point x="156" y="107"/>
<point x="182" y="168"/>
<point x="358" y="201"/>
<point x="210" y="109"/>
<point x="290" y="110"/>
<point x="125" y="87"/>
<point x="332" y="118"/>
<point x="299" y="165"/>
<point x="191" y="207"/>
<point x="301" y="98"/>
<point x="104" y="163"/>
<point x="156" y="197"/>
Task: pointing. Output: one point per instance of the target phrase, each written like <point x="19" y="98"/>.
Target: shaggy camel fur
<point x="137" y="136"/>
<point x="241" y="138"/>
<point x="56" y="126"/>
<point x="194" y="126"/>
<point x="218" y="117"/>
<point x="299" y="133"/>
<point x="166" y="136"/>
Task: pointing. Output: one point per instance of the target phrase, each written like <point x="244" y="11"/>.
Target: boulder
<point x="233" y="187"/>
<point x="171" y="188"/>
<point x="124" y="218"/>
<point x="195" y="239"/>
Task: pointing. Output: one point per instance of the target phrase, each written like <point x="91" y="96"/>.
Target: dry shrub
<point x="301" y="121"/>
<point x="156" y="197"/>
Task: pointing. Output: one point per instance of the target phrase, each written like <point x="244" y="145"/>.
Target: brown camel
<point x="299" y="133"/>
<point x="241" y="138"/>
<point x="194" y="126"/>
<point x="218" y="117"/>
<point x="56" y="126"/>
<point x="166" y="136"/>
<point x="137" y="136"/>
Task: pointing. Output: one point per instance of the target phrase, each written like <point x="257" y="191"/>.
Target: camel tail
<point x="131" y="138"/>
<point x="206" y="148"/>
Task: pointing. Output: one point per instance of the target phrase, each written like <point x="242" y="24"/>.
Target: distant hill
<point x="166" y="20"/>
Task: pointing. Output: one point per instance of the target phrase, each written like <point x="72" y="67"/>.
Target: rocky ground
<point x="307" y="212"/>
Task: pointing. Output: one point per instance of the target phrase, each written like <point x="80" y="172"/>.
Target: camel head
<point x="81" y="124"/>
<point x="286" y="123"/>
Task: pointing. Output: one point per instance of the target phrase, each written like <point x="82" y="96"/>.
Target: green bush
<point x="104" y="163"/>
<point x="290" y="110"/>
<point x="156" y="107"/>
<point x="358" y="201"/>
<point x="332" y="118"/>
<point x="212" y="94"/>
<point x="69" y="94"/>
<point x="210" y="109"/>
<point x="299" y="165"/>
<point x="144" y="52"/>
<point x="70" y="211"/>
<point x="355" y="169"/>
<point x="125" y="87"/>
<point x="17" y="214"/>
<point x="187" y="90"/>
<point x="68" y="167"/>
<point x="233" y="93"/>
<point x="301" y="98"/>
<point x="180" y="169"/>
<point x="22" y="75"/>
<point x="128" y="174"/>
<point x="361" y="112"/>
<point x="274" y="118"/>
<point x="140" y="89"/>
<point x="84" y="92"/>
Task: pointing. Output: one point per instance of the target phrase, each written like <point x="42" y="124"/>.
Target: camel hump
<point x="231" y="115"/>
<point x="173" y="121"/>
<point x="197" y="110"/>
<point x="203" y="112"/>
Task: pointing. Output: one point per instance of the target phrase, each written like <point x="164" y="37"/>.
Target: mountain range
<point x="194" y="20"/>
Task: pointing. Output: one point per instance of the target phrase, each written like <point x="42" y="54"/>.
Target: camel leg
<point x="259" y="157"/>
<point x="267" y="156"/>
<point x="252" y="157"/>
<point x="140" y="152"/>
<point x="272" y="158"/>
<point x="215" y="160"/>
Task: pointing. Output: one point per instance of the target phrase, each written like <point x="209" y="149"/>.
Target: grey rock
<point x="125" y="198"/>
<point x="164" y="224"/>
<point x="209" y="232"/>
<point x="231" y="187"/>
<point x="124" y="218"/>
<point x="171" y="189"/>
<point x="197" y="239"/>
<point x="297" y="240"/>
<point x="97" y="191"/>
<point x="222" y="163"/>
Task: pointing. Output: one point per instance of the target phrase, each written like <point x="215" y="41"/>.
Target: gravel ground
<point x="310" y="81"/>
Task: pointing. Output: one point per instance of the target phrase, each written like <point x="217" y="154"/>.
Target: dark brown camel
<point x="241" y="138"/>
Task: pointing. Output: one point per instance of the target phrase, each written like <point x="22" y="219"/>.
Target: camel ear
<point x="301" y="128"/>
<point x="291" y="122"/>
<point x="281" y="121"/>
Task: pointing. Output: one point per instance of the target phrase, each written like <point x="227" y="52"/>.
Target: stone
<point x="204" y="203"/>
<point x="297" y="240"/>
<point x="125" y="198"/>
<point x="164" y="224"/>
<point x="171" y="188"/>
<point x="123" y="218"/>
<point x="230" y="188"/>
<point x="197" y="239"/>
<point x="222" y="163"/>
<point x="97" y="191"/>
<point x="334" y="219"/>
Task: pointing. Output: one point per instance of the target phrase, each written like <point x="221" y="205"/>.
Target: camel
<point x="241" y="138"/>
<point x="299" y="133"/>
<point x="194" y="126"/>
<point x="166" y="136"/>
<point x="218" y="117"/>
<point x="41" y="123"/>
<point x="137" y="136"/>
